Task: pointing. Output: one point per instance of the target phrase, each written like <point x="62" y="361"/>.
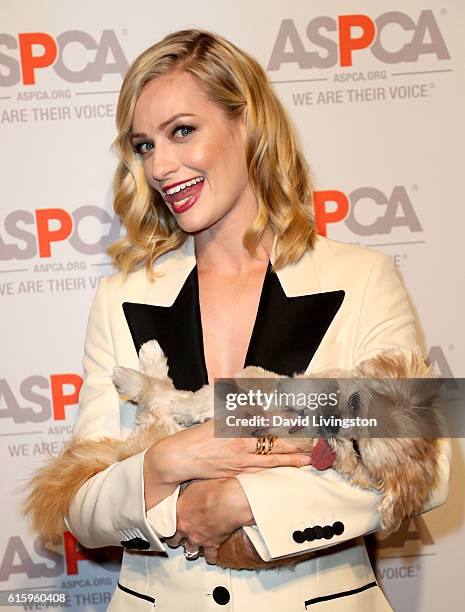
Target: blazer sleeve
<point x="307" y="497"/>
<point x="109" y="509"/>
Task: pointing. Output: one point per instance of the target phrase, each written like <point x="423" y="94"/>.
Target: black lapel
<point x="288" y="330"/>
<point x="286" y="333"/>
<point x="178" y="330"/>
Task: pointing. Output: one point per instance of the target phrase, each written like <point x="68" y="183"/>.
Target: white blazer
<point x="337" y="306"/>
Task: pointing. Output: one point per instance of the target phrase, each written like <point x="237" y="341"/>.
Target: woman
<point x="240" y="278"/>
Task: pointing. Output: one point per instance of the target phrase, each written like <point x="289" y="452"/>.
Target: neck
<point x="220" y="249"/>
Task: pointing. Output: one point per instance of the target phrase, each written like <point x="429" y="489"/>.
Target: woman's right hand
<point x="195" y="453"/>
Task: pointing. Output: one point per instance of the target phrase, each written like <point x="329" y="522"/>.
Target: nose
<point x="330" y="425"/>
<point x="163" y="163"/>
<point x="330" y="430"/>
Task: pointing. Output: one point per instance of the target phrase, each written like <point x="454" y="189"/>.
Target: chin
<point x="191" y="226"/>
<point x="195" y="222"/>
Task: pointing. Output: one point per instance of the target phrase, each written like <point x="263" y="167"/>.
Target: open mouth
<point x="185" y="197"/>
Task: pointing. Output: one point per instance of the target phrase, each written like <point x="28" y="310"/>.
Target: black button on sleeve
<point x="298" y="537"/>
<point x="338" y="528"/>
<point x="309" y="534"/>
<point x="135" y="544"/>
<point x="328" y="532"/>
<point x="318" y="532"/>
<point x="221" y="595"/>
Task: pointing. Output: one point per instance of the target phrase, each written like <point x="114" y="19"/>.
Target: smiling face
<point x="182" y="138"/>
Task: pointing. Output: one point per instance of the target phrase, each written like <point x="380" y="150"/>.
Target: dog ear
<point x="407" y="485"/>
<point x="152" y="360"/>
<point x="128" y="382"/>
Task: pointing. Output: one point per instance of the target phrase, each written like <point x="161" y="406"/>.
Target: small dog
<point x="403" y="469"/>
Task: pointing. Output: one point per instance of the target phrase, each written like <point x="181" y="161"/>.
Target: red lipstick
<point x="168" y="187"/>
<point x="192" y="194"/>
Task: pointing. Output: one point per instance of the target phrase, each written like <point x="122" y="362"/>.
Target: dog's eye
<point x="354" y="404"/>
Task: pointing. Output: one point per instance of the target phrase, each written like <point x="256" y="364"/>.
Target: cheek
<point x="214" y="155"/>
<point x="202" y="156"/>
<point x="147" y="172"/>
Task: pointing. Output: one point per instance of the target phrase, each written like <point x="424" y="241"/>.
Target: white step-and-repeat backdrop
<point x="377" y="92"/>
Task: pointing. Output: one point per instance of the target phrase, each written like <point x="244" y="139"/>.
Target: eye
<point x="354" y="404"/>
<point x="143" y="147"/>
<point x="184" y="130"/>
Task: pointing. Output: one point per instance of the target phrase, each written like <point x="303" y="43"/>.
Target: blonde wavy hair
<point x="278" y="172"/>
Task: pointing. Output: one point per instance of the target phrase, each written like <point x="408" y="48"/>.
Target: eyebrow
<point x="165" y="124"/>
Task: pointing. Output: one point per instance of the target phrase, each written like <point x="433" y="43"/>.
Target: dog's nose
<point x="329" y="424"/>
<point x="331" y="429"/>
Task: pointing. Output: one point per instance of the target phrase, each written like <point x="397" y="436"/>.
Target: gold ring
<point x="265" y="444"/>
<point x="271" y="440"/>
<point x="260" y="445"/>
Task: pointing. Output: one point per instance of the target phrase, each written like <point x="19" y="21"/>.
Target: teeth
<point x="184" y="185"/>
<point x="182" y="201"/>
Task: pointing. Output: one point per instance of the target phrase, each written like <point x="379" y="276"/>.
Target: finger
<point x="281" y="431"/>
<point x="285" y="445"/>
<point x="281" y="460"/>
<point x="293" y="445"/>
<point x="176" y="540"/>
<point x="211" y="555"/>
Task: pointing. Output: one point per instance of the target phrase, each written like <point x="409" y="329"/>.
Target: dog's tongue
<point x="322" y="455"/>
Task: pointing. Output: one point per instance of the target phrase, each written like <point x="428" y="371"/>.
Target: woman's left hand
<point x="208" y="512"/>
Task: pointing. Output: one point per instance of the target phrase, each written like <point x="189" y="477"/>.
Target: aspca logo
<point x="31" y="52"/>
<point x="413" y="536"/>
<point x="42" y="562"/>
<point x="366" y="211"/>
<point x="338" y="41"/>
<point x="437" y="359"/>
<point x="27" y="234"/>
<point x="39" y="398"/>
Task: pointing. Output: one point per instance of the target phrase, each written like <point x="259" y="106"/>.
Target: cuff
<point x="162" y="517"/>
<point x="315" y="510"/>
<point x="109" y="509"/>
